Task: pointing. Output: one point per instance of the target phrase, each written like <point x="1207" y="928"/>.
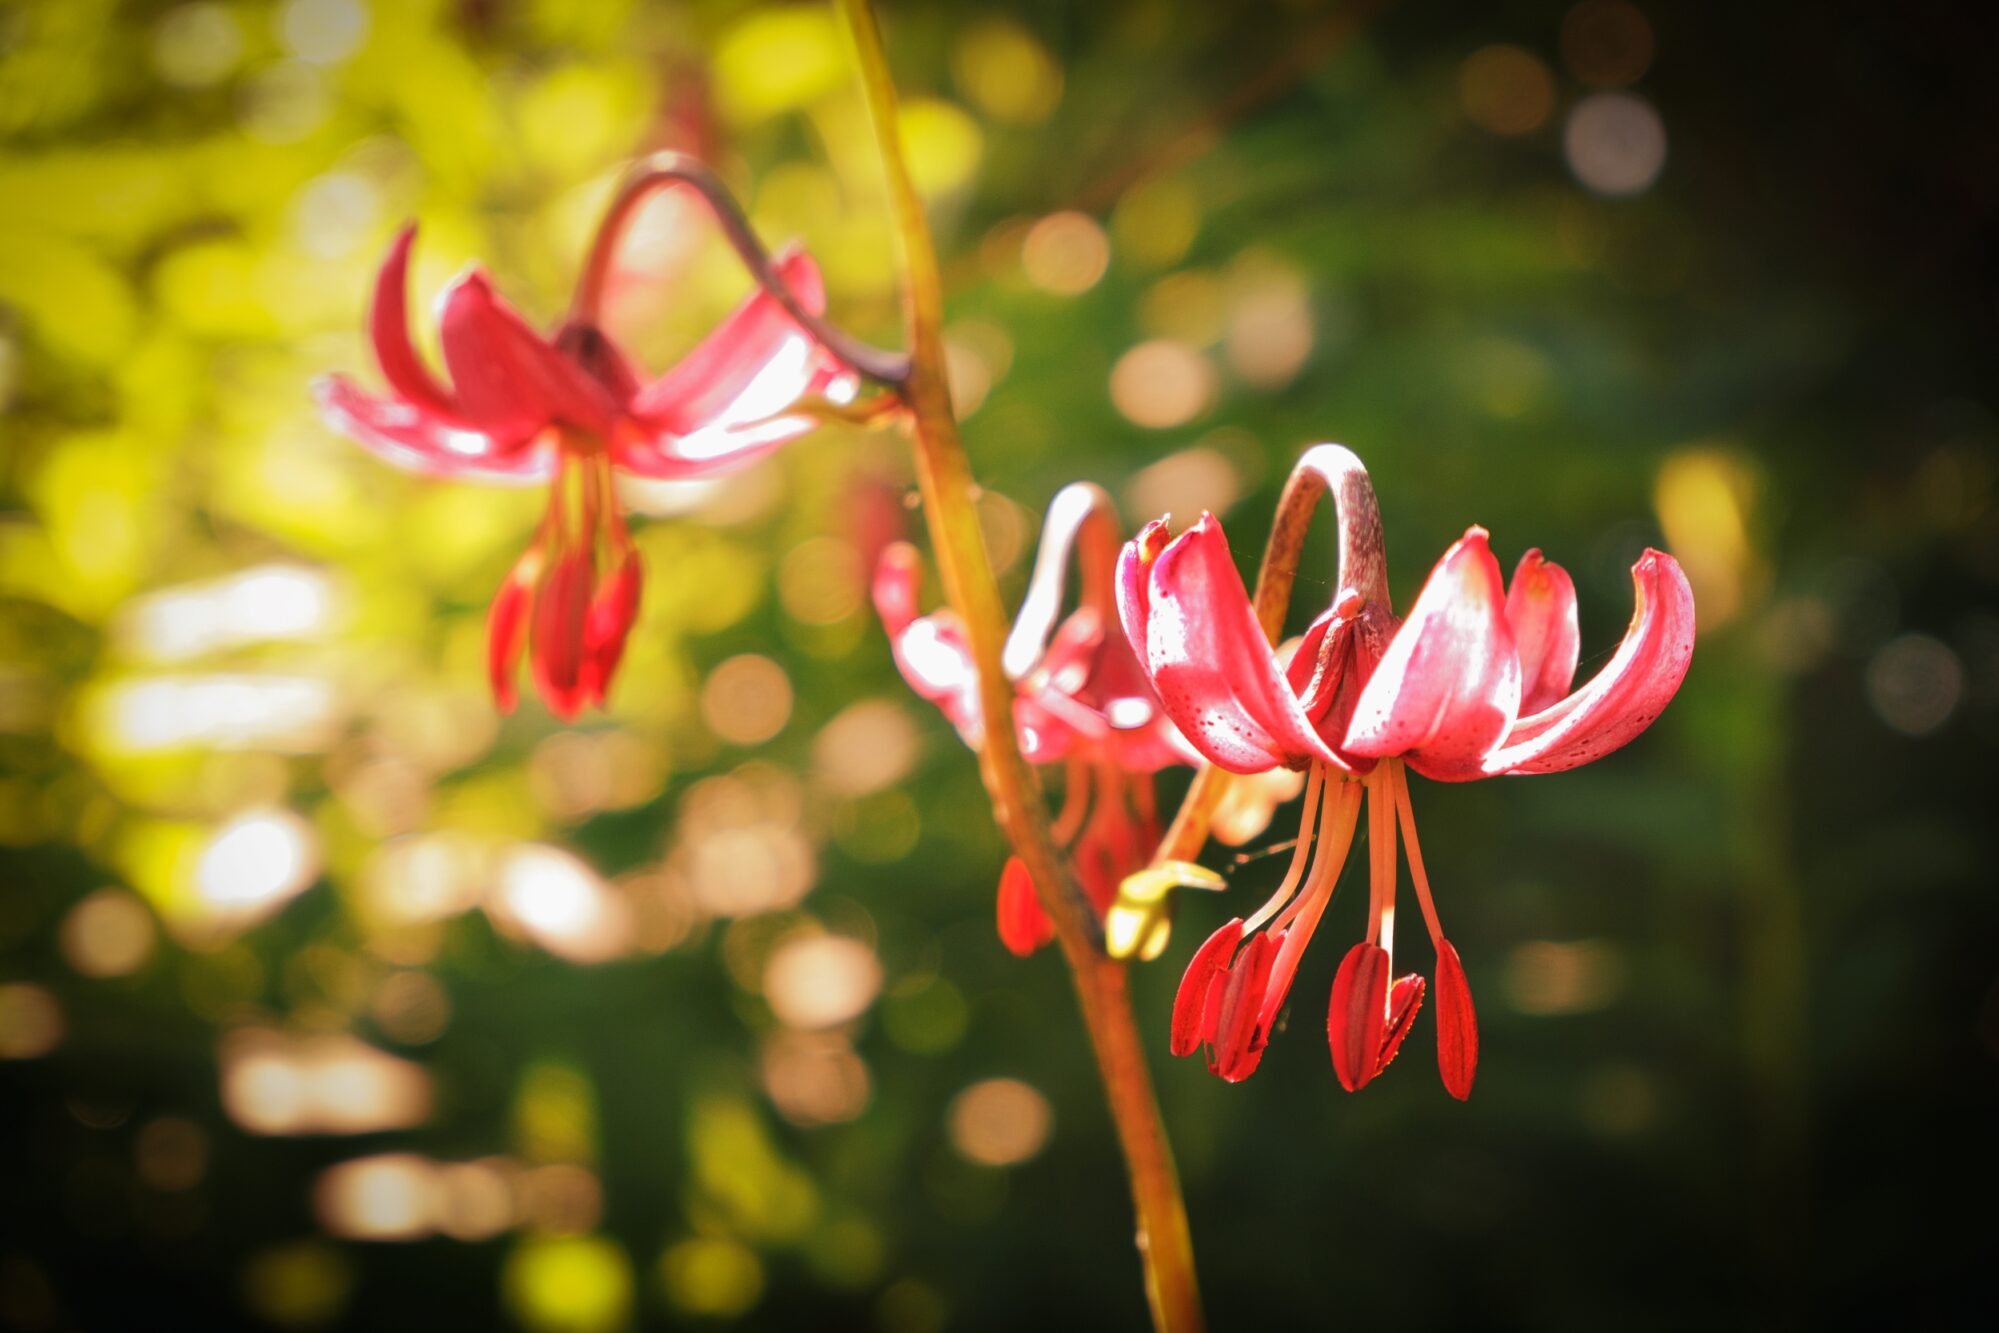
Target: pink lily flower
<point x="1080" y="699"/>
<point x="1475" y="683"/>
<point x="571" y="408"/>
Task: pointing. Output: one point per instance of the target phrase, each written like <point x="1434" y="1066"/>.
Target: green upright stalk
<point x="1164" y="1243"/>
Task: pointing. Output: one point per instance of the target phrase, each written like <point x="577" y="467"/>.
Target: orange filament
<point x="1296" y="872"/>
<point x="1342" y="816"/>
<point x="1406" y="813"/>
<point x="1381" y="860"/>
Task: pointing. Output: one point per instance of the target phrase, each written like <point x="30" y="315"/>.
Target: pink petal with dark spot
<point x="1621" y="700"/>
<point x="1448" y="686"/>
<point x="1211" y="664"/>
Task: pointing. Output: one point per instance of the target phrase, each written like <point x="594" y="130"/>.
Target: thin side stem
<point x="944" y="475"/>
<point x="662" y="170"/>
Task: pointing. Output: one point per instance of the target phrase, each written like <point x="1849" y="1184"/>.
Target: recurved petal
<point x="1134" y="583"/>
<point x="414" y="438"/>
<point x="732" y="441"/>
<point x="1211" y="665"/>
<point x="1150" y="748"/>
<point x="1457" y="1024"/>
<point x="508" y="377"/>
<point x="1449" y="685"/>
<point x="931" y="651"/>
<point x="1052" y="726"/>
<point x="936" y="660"/>
<point x="716" y="373"/>
<point x="1622" y="699"/>
<point x="1541" y="608"/>
<point x="389" y="332"/>
<point x="1190" y="1004"/>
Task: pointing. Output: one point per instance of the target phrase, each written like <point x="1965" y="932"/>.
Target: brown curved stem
<point x="1324" y="469"/>
<point x="1164" y="1242"/>
<point x="1081" y="520"/>
<point x="662" y="170"/>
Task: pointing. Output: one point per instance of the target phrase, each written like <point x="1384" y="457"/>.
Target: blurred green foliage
<point x="1738" y="982"/>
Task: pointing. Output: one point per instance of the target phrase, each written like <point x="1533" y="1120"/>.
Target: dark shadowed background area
<point x="330" y="1000"/>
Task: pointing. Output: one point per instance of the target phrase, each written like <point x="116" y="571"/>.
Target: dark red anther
<point x="1239" y="1039"/>
<point x="1404" y="1000"/>
<point x="1193" y="1016"/>
<point x="1457" y="1024"/>
<point x="506" y="630"/>
<point x="612" y="611"/>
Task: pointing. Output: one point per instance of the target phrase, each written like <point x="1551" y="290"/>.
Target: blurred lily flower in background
<point x="573" y="408"/>
<point x="1080" y="699"/>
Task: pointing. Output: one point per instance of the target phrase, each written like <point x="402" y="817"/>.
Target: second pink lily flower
<point x="1475" y="683"/>
<point x="1080" y="700"/>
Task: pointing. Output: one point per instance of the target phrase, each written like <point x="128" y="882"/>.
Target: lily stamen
<point x="1457" y="1020"/>
<point x="1342" y="818"/>
<point x="1300" y="857"/>
<point x="1340" y="809"/>
<point x="1406" y="815"/>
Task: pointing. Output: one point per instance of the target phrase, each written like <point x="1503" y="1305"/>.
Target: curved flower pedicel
<point x="1080" y="699"/>
<point x="571" y="408"/>
<point x="1475" y="683"/>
